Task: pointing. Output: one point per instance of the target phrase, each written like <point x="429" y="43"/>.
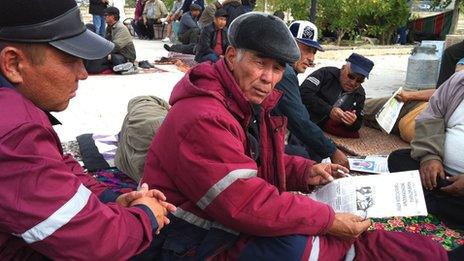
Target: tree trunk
<point x="454" y="21"/>
<point x="313" y="11"/>
<point x="340" y="34"/>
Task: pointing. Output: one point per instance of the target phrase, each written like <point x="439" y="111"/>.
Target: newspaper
<point x="388" y="114"/>
<point x="375" y="196"/>
<point x="369" y="164"/>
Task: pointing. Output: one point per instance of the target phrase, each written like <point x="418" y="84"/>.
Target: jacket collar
<point x="4" y="83"/>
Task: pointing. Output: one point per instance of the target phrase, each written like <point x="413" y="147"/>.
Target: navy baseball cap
<point x="360" y="64"/>
<point x="306" y="33"/>
<point x="56" y="22"/>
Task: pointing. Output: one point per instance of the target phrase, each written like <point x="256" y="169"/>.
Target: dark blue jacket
<point x="207" y="41"/>
<point x="299" y="123"/>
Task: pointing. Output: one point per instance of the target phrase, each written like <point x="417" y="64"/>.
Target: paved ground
<point x="101" y="102"/>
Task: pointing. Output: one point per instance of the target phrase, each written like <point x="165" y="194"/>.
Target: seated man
<point x="138" y="24"/>
<point x="219" y="156"/>
<point x="213" y="40"/>
<point x="51" y="208"/>
<point x="117" y="33"/>
<point x="316" y="145"/>
<point x="415" y="101"/>
<point x="335" y="98"/>
<point x="188" y="32"/>
<point x="152" y="13"/>
<point x="436" y="152"/>
<point x="207" y="16"/>
<point x="174" y="15"/>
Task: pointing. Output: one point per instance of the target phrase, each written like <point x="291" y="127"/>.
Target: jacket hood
<point x="216" y="80"/>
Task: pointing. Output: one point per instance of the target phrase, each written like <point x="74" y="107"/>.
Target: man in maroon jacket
<point x="219" y="156"/>
<point x="50" y="208"/>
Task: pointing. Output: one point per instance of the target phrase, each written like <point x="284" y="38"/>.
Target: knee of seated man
<point x="275" y="248"/>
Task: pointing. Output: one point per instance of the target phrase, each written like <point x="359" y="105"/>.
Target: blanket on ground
<point x="429" y="226"/>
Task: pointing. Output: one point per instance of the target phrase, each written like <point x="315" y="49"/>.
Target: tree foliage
<point x="340" y="16"/>
<point x="381" y="18"/>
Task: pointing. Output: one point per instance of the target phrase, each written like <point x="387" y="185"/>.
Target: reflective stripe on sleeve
<point x="223" y="184"/>
<point x="351" y="254"/>
<point x="200" y="222"/>
<point x="58" y="219"/>
<point x="314" y="256"/>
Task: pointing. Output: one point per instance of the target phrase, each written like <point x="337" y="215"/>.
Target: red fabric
<point x="218" y="47"/>
<point x="439" y="23"/>
<point x="383" y="245"/>
<point x="36" y="180"/>
<point x="202" y="140"/>
<point x="104" y="72"/>
<point x="339" y="129"/>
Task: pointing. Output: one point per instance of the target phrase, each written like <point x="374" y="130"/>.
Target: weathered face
<point x="306" y="59"/>
<point x="51" y="84"/>
<point x="350" y="81"/>
<point x="256" y="75"/>
<point x="220" y="22"/>
<point x="195" y="13"/>
<point x="110" y="19"/>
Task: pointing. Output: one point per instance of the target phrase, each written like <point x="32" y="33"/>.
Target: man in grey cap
<point x="51" y="208"/>
<point x="219" y="156"/>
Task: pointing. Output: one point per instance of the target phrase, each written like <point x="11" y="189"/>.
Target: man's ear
<point x="230" y="57"/>
<point x="11" y="62"/>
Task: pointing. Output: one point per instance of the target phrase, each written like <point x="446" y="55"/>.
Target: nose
<point x="266" y="75"/>
<point x="310" y="58"/>
<point x="81" y="71"/>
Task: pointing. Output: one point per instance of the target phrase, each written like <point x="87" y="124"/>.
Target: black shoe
<point x="145" y="64"/>
<point x="167" y="47"/>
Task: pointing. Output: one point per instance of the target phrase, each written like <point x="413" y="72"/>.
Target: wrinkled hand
<point x="324" y="173"/>
<point x="403" y="96"/>
<point x="153" y="199"/>
<point x="348" y="226"/>
<point x="340" y="158"/>
<point x="429" y="171"/>
<point x="126" y="199"/>
<point x="349" y="117"/>
<point x="157" y="207"/>
<point x="457" y="187"/>
<point x="336" y="114"/>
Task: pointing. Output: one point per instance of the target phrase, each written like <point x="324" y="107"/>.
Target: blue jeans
<point x="99" y="23"/>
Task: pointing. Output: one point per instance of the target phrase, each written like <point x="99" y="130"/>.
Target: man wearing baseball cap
<point x="316" y="145"/>
<point x="51" y="208"/>
<point x="219" y="156"/>
<point x="213" y="41"/>
<point x="335" y="97"/>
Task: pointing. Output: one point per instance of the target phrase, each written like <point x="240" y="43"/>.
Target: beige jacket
<point x="429" y="141"/>
<point x="158" y="11"/>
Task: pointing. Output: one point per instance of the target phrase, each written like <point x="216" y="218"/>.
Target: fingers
<point x="451" y="189"/>
<point x="157" y="194"/>
<point x="323" y="170"/>
<point x="364" y="225"/>
<point x="453" y="178"/>
<point x="430" y="180"/>
<point x="170" y="207"/>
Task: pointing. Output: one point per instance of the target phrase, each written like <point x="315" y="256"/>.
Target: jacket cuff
<point x="330" y="221"/>
<point x="151" y="216"/>
<point x="430" y="157"/>
<point x="108" y="196"/>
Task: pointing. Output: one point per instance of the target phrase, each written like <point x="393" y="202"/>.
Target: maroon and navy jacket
<point x="49" y="205"/>
<point x="201" y="158"/>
